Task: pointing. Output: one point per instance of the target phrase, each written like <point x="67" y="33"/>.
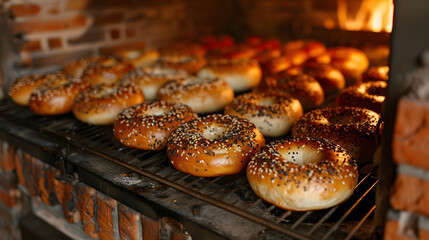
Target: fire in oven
<point x="200" y="120"/>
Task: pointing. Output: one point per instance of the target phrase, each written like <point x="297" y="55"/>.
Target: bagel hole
<point x="300" y="156"/>
<point x="377" y="91"/>
<point x="345" y="119"/>
<point x="214" y="132"/>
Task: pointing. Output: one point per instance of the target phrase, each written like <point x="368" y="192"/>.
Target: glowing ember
<point x="372" y="15"/>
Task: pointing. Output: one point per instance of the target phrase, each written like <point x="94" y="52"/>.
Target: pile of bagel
<point x="220" y="107"/>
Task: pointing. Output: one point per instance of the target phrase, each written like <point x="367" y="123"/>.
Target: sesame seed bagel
<point x="302" y="87"/>
<point x="106" y="70"/>
<point x="376" y="73"/>
<point x="370" y="95"/>
<point x="350" y="61"/>
<point x="57" y="95"/>
<point x="148" y="125"/>
<point x="21" y="89"/>
<point x="151" y="79"/>
<point x="189" y="63"/>
<point x="101" y="104"/>
<point x="214" y="145"/>
<point x="139" y="58"/>
<point x="302" y="174"/>
<point x="77" y="67"/>
<point x="331" y="79"/>
<point x="273" y="115"/>
<point x="203" y="95"/>
<point x="354" y="129"/>
<point x="240" y="75"/>
<point x="311" y="47"/>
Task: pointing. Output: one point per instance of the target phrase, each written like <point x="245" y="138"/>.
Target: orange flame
<point x="372" y="15"/>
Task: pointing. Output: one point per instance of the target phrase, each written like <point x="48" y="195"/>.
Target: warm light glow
<point x="372" y="15"/>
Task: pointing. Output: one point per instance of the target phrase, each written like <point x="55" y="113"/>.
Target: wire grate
<point x="231" y="193"/>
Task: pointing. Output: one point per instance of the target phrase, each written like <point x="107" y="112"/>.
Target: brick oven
<point x="76" y="181"/>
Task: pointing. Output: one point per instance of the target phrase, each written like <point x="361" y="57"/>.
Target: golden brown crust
<point x="311" y="47"/>
<point x="101" y="104"/>
<point x="302" y="174"/>
<point x="302" y="87"/>
<point x="203" y="95"/>
<point x="21" y="89"/>
<point x="77" y="67"/>
<point x="354" y="129"/>
<point x="106" y="70"/>
<point x="331" y="79"/>
<point x="148" y="125"/>
<point x="377" y="73"/>
<point x="57" y="95"/>
<point x="370" y="95"/>
<point x="273" y="115"/>
<point x="139" y="58"/>
<point x="214" y="145"/>
<point x="151" y="79"/>
<point x="350" y="61"/>
<point x="189" y="63"/>
<point x="240" y="75"/>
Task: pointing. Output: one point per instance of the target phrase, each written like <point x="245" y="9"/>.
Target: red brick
<point x="54" y="10"/>
<point x="150" y="228"/>
<point x="24" y="9"/>
<point x="129" y="223"/>
<point x="130" y="33"/>
<point x="7" y="154"/>
<point x="10" y="198"/>
<point x="105" y="217"/>
<point x="109" y="18"/>
<point x="42" y="182"/>
<point x="127" y="46"/>
<point x="29" y="172"/>
<point x="408" y="194"/>
<point x="68" y="201"/>
<point x="52" y="184"/>
<point x="391" y="232"/>
<point x="115" y="34"/>
<point x="49" y="25"/>
<point x="91" y="36"/>
<point x="411" y="134"/>
<point x="32" y="46"/>
<point x="20" y="168"/>
<point x="174" y="229"/>
<point x="55" y="43"/>
<point x="86" y="203"/>
<point x="76" y="5"/>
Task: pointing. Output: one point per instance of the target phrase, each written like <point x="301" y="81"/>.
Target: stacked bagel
<point x="219" y="107"/>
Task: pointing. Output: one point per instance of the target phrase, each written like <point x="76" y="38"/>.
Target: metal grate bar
<point x="98" y="141"/>
<point x="322" y="220"/>
<point x="193" y="182"/>
<point x="283" y="216"/>
<point x="184" y="189"/>
<point x="301" y="219"/>
<point x="337" y="224"/>
<point x="210" y="183"/>
<point x="354" y="230"/>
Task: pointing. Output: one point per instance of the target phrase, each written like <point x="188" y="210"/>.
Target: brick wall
<point x="409" y="216"/>
<point x="43" y="34"/>
<point x="85" y="212"/>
